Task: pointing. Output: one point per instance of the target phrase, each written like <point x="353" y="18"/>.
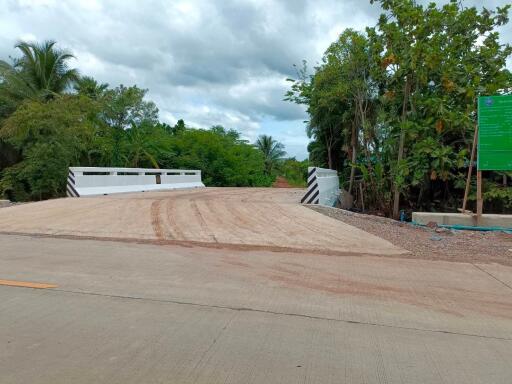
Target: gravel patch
<point x="5" y="203"/>
<point x="431" y="243"/>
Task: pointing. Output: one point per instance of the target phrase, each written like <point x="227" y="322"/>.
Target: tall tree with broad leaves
<point x="272" y="151"/>
<point x="122" y="109"/>
<point x="434" y="62"/>
<point x="403" y="96"/>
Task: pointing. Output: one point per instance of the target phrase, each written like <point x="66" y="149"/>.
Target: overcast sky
<point x="207" y="62"/>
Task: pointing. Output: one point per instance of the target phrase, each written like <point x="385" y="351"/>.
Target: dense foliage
<point x="52" y="118"/>
<point x="394" y="108"/>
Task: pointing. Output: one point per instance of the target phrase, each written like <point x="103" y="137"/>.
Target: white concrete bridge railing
<point x="88" y="181"/>
<point x="323" y="187"/>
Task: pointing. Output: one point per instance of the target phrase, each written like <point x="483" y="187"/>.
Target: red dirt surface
<point x="281" y="182"/>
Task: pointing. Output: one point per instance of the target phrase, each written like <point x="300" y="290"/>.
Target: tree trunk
<point x="330" y="141"/>
<point x="354" y="158"/>
<point x="329" y="155"/>
<point x="396" y="190"/>
<point x="352" y="170"/>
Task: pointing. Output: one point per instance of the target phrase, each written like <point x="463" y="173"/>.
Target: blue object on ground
<point x="469" y="227"/>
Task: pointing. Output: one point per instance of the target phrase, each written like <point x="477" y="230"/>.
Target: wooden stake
<point x="362" y="198"/>
<point x="479" y="200"/>
<point x="470" y="171"/>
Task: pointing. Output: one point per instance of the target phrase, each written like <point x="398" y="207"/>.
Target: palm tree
<point x="272" y="151"/>
<point x="41" y="73"/>
<point x="89" y="87"/>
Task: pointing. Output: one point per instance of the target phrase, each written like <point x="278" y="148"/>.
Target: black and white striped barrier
<point x="311" y="196"/>
<point x="88" y="181"/>
<point x="323" y="187"/>
<point x="70" y="188"/>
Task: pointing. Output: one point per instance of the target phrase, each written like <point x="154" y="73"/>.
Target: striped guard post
<point x="70" y="188"/>
<point x="311" y="196"/>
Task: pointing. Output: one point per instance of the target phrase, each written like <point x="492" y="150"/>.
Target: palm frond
<point x="41" y="72"/>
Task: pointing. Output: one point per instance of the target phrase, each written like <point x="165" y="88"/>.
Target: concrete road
<point x="235" y="218"/>
<point x="140" y="313"/>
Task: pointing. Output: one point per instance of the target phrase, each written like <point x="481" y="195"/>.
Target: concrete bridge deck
<point x="241" y="218"/>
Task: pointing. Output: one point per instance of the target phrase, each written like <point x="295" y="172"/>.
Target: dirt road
<point x="235" y="218"/>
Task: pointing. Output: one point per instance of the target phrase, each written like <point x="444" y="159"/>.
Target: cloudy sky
<point x="207" y="62"/>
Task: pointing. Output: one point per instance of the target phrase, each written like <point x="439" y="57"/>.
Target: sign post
<point x="493" y="137"/>
<point x="479" y="199"/>
<point x="470" y="170"/>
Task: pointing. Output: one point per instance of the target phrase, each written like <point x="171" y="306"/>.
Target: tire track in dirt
<point x="172" y="226"/>
<point x="228" y="226"/>
<point x="202" y="222"/>
<point x="156" y="222"/>
<point x="259" y="220"/>
<point x="215" y="219"/>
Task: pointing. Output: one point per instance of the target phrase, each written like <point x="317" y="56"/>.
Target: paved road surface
<point x="166" y="313"/>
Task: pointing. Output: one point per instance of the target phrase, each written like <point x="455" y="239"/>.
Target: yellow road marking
<point x="26" y="284"/>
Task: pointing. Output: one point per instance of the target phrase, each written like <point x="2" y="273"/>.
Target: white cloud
<point x="208" y="62"/>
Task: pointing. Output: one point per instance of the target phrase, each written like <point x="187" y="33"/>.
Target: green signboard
<point x="495" y="133"/>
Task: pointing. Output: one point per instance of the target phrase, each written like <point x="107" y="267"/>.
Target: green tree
<point x="178" y="128"/>
<point x="327" y="109"/>
<point x="403" y="98"/>
<point x="223" y="158"/>
<point x="432" y="68"/>
<point x="46" y="126"/>
<point x="272" y="151"/>
<point x="357" y="91"/>
<point x="50" y="137"/>
<point x="41" y="73"/>
<point x="143" y="145"/>
<point x="88" y="86"/>
<point x="123" y="108"/>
